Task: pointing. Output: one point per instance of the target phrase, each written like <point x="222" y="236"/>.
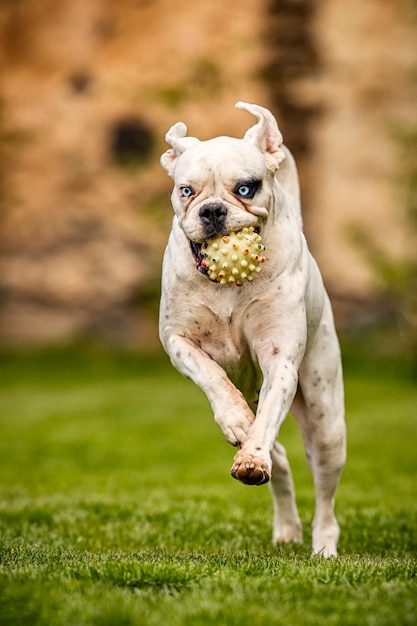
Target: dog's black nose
<point x="213" y="217"/>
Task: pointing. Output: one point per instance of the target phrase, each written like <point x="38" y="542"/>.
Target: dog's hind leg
<point x="319" y="410"/>
<point x="286" y="525"/>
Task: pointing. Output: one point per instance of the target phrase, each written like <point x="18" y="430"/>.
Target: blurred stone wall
<point x="89" y="89"/>
<point x="343" y="81"/>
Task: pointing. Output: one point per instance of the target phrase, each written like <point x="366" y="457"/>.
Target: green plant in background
<point x="397" y="276"/>
<point x="205" y="77"/>
<point x="408" y="293"/>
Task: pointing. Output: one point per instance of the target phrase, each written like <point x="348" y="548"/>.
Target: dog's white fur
<point x="275" y="336"/>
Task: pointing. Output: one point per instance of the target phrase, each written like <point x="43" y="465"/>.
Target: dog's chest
<point x="221" y="333"/>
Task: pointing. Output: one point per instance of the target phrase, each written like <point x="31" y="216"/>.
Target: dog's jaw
<point x="196" y="249"/>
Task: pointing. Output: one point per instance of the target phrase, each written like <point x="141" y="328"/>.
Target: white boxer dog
<point x="270" y="346"/>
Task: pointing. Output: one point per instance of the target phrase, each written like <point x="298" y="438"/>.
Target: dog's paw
<point x="287" y="533"/>
<point x="325" y="538"/>
<point x="235" y="430"/>
<point x="250" y="469"/>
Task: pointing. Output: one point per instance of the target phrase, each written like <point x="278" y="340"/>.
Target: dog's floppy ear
<point x="265" y="135"/>
<point x="176" y="137"/>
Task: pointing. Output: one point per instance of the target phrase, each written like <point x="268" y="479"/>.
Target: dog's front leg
<point x="252" y="464"/>
<point x="231" y="411"/>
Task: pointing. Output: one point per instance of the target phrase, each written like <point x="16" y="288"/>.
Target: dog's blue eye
<point x="186" y="192"/>
<point x="247" y="189"/>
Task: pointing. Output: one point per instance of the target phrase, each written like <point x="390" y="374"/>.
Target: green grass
<point x="117" y="507"/>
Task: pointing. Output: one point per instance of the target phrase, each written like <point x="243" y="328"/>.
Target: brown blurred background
<point x="88" y="90"/>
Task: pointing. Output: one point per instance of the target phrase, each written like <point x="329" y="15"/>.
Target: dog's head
<point x="223" y="184"/>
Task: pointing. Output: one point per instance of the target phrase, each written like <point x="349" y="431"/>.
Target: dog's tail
<point x="288" y="179"/>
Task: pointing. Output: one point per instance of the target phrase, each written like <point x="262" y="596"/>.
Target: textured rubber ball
<point x="234" y="258"/>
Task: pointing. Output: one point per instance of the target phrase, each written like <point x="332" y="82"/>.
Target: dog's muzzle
<point x="213" y="219"/>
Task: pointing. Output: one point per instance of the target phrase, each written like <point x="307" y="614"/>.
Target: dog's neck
<point x="279" y="210"/>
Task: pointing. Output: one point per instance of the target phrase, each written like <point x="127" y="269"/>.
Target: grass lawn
<point x="117" y="507"/>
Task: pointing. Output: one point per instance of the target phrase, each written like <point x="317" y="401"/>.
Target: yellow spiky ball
<point x="234" y="258"/>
